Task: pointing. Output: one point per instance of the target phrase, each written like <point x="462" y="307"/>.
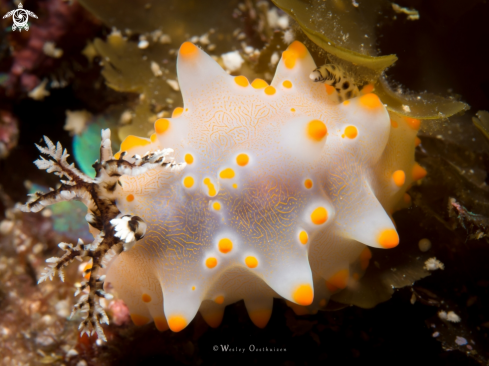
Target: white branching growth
<point x="116" y="231"/>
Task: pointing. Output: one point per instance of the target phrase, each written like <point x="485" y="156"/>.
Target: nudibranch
<point x="280" y="194"/>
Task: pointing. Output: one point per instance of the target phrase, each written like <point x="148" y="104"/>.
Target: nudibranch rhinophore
<point x="283" y="192"/>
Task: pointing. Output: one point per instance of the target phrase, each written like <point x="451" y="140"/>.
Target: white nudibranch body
<point x="283" y="192"/>
<point x="249" y="192"/>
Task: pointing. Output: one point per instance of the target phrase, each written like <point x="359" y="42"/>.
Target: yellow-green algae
<point x="348" y="32"/>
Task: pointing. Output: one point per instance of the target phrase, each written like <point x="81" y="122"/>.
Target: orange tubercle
<point x="214" y="319"/>
<point x="388" y="239"/>
<point x="287" y="84"/>
<point x="316" y="130"/>
<point x="251" y="262"/>
<point x="219" y="299"/>
<point x="308" y="183"/>
<point x="160" y="323"/>
<point x="303" y="237"/>
<point x="259" y="84"/>
<point x="418" y="172"/>
<point x="370" y="101"/>
<point x="369" y="88"/>
<point x="399" y="177"/>
<point x="394" y="123"/>
<point x="133" y="141"/>
<point x="139" y="319"/>
<point x="211" y="262"/>
<point x="303" y="295"/>
<point x="146" y="298"/>
<point x="413" y="123"/>
<point x="338" y="281"/>
<point x="242" y="159"/>
<point x="189" y="159"/>
<point x="162" y="125"/>
<point x="270" y="90"/>
<point x="351" y="132"/>
<point x="260" y="317"/>
<point x="130" y="198"/>
<point x="177" y="112"/>
<point x="319" y="216"/>
<point x="177" y="323"/>
<point x="241" y="81"/>
<point x="227" y="173"/>
<point x="188" y="49"/>
<point x="225" y="245"/>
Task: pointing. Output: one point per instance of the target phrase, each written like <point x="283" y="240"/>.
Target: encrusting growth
<point x="113" y="231"/>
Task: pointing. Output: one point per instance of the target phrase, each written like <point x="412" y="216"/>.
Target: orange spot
<point x="259" y="84"/>
<point x="370" y="101"/>
<point x="227" y="173"/>
<point x="188" y="49"/>
<point x="351" y="132"/>
<point x="177" y="112"/>
<point x="308" y="183"/>
<point x="260" y="317"/>
<point x="322" y="302"/>
<point x="270" y="90"/>
<point x="399" y="177"/>
<point x="241" y="81"/>
<point x="413" y="122"/>
<point x="251" y="262"/>
<point x="211" y="262"/>
<point x="303" y="295"/>
<point x="189" y="159"/>
<point x="216" y="206"/>
<point x="394" y="123"/>
<point x="407" y="198"/>
<point x="388" y="239"/>
<point x="346" y="102"/>
<point x="210" y="187"/>
<point x="139" y="319"/>
<point x="418" y="172"/>
<point x="130" y="198"/>
<point x="338" y="281"/>
<point x="417" y="141"/>
<point x="303" y="237"/>
<point x="287" y="84"/>
<point x="177" y="323"/>
<point x="235" y="186"/>
<point x="87" y="275"/>
<point x="369" y="88"/>
<point x="219" y="299"/>
<point x="292" y="109"/>
<point x="365" y="257"/>
<point x="153" y="137"/>
<point x="329" y="89"/>
<point x="116" y="156"/>
<point x="162" y="125"/>
<point x="319" y="216"/>
<point x="193" y="288"/>
<point x="225" y="245"/>
<point x="295" y="51"/>
<point x="146" y="298"/>
<point x="188" y="182"/>
<point x="160" y="323"/>
<point x="316" y="130"/>
<point x="133" y="141"/>
<point x="213" y="319"/>
<point x="242" y="159"/>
